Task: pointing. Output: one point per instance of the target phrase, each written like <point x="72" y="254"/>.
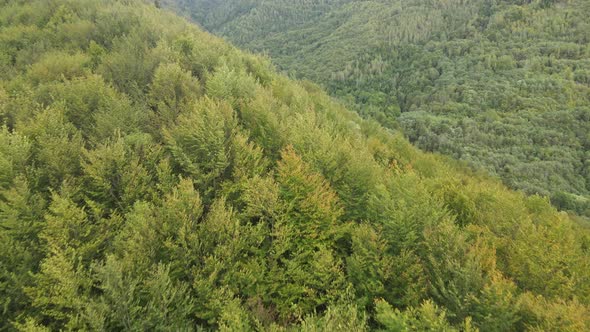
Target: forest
<point x="501" y="85"/>
<point x="153" y="177"/>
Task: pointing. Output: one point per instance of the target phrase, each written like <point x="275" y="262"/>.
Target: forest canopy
<point x="154" y="177"/>
<point x="502" y="85"/>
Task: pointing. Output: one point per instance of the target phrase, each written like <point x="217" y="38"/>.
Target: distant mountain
<point x="155" y="178"/>
<point x="502" y="85"/>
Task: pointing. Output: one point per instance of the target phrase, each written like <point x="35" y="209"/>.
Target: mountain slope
<point x="502" y="85"/>
<point x="153" y="177"/>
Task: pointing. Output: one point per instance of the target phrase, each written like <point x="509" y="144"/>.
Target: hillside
<point x="155" y="178"/>
<point x="502" y="85"/>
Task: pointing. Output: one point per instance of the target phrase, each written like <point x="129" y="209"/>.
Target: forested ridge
<point x="153" y="177"/>
<point x="503" y="85"/>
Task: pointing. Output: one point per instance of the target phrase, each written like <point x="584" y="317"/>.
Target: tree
<point x="200" y="142"/>
<point x="304" y="272"/>
<point x="172" y="91"/>
<point x="57" y="146"/>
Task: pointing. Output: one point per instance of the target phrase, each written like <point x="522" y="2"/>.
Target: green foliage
<point x="303" y="235"/>
<point x="57" y="67"/>
<point x="339" y="317"/>
<point x="427" y="317"/>
<point x="171" y="91"/>
<point x="152" y="302"/>
<point x="199" y="143"/>
<point x="230" y="85"/>
<point x="500" y="85"/>
<point x="21" y="215"/>
<point x="115" y="174"/>
<point x="57" y="147"/>
<point x="376" y="273"/>
<point x="15" y="150"/>
<point x="152" y="177"/>
<point x="61" y="291"/>
<point x="93" y="106"/>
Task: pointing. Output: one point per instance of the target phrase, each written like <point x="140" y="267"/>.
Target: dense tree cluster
<point x="152" y="177"/>
<point x="502" y="85"/>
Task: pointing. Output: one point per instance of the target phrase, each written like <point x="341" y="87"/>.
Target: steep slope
<point x="503" y="85"/>
<point x="152" y="177"/>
